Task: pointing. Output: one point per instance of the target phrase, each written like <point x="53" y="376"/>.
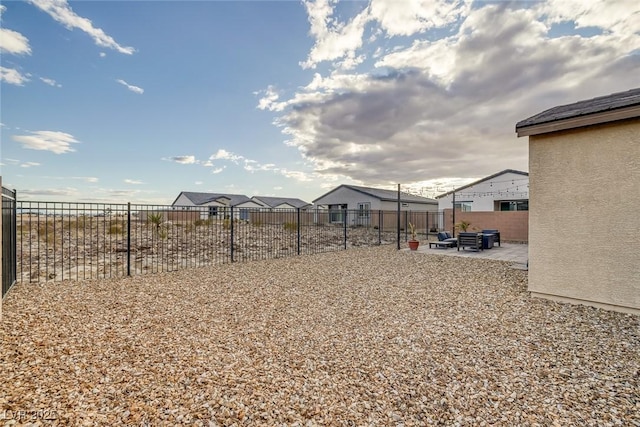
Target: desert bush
<point x="117" y="228"/>
<point x="46" y="232"/>
<point x="201" y="222"/>
<point x="290" y="226"/>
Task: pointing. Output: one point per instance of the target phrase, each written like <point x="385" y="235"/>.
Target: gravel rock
<point x="362" y="337"/>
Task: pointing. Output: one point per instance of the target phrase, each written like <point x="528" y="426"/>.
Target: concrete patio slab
<point x="514" y="252"/>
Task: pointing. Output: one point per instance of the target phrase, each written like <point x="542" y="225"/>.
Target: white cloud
<point x="334" y="39"/>
<point x="198" y="183"/>
<point x="61" y="11"/>
<point x="432" y="108"/>
<point x="619" y="16"/>
<point x="218" y="170"/>
<point x="29" y="164"/>
<point x="89" y="179"/>
<point x="223" y="154"/>
<point x="56" y="142"/>
<point x="133" y="181"/>
<point x="297" y="175"/>
<point x="132" y="88"/>
<point x="184" y="160"/>
<point x="58" y="192"/>
<point x="269" y="99"/>
<point x="12" y="76"/>
<point x="408" y="17"/>
<point x="102" y="54"/>
<point x="50" y="82"/>
<point x="14" y="43"/>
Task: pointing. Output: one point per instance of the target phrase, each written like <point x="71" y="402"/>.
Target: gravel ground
<point x="360" y="337"/>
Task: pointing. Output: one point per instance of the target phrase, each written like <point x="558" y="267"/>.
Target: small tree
<point x="463" y="226"/>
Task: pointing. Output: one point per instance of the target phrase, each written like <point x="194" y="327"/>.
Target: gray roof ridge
<point x="455" y="190"/>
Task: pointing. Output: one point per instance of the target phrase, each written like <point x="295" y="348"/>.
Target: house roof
<point x="488" y="178"/>
<point x="202" y="198"/>
<point x="272" y="202"/>
<point x="617" y="106"/>
<point x="384" y="195"/>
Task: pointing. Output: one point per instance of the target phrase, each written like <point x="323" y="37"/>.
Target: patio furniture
<point x="445" y="236"/>
<point x="442" y="244"/>
<point x="487" y="240"/>
<point x="470" y="240"/>
<point x="496" y="235"/>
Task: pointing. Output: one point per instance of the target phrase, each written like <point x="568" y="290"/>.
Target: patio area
<point x="370" y="336"/>
<point x="515" y="253"/>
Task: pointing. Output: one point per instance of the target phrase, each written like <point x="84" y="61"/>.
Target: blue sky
<point x="137" y="101"/>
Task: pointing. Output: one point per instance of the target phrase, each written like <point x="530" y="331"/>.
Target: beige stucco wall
<point x="0" y="245"/>
<point x="584" y="216"/>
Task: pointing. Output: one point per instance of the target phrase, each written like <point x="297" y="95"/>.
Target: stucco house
<point x="584" y="192"/>
<point x="281" y="202"/>
<point x="213" y="204"/>
<point x="366" y="199"/>
<point x="507" y="190"/>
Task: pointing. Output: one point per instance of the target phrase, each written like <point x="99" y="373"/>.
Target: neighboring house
<point x="281" y="202"/>
<point x="214" y="204"/>
<point x="365" y="199"/>
<point x="504" y="191"/>
<point x="584" y="173"/>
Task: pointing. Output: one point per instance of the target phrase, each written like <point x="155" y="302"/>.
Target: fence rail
<point x="59" y="241"/>
<point x="8" y="239"/>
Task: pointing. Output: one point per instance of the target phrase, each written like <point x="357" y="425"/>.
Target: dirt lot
<point x="97" y="247"/>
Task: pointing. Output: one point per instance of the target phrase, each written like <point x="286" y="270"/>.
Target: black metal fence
<point x="59" y="241"/>
<point x="8" y="239"/>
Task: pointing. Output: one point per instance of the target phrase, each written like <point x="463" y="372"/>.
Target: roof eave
<point x="581" y="121"/>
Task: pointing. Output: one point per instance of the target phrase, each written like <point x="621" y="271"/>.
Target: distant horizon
<point x="115" y="102"/>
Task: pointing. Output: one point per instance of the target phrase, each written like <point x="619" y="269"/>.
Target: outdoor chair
<point x="445" y="236"/>
<point x="444" y="241"/>
<point x="470" y="240"/>
<point x="496" y="235"/>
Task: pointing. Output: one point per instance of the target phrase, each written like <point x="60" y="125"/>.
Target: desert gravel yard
<point x="359" y="337"/>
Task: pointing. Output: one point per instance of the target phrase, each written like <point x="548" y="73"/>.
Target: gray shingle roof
<point x="385" y="195"/>
<point x="272" y="202"/>
<point x="202" y="198"/>
<point x="584" y="108"/>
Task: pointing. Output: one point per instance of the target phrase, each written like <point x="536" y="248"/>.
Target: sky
<point x="136" y="101"/>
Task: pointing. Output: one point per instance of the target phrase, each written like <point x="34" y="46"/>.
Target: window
<point x="364" y="210"/>
<point x="463" y="206"/>
<point x="213" y="211"/>
<point x="336" y="213"/>
<point x="514" y="205"/>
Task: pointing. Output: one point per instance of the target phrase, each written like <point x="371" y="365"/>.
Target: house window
<point x="336" y="213"/>
<point x="364" y="210"/>
<point x="463" y="206"/>
<point x="514" y="205"/>
<point x="213" y="211"/>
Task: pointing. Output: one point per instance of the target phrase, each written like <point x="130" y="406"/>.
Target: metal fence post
<point x="379" y="227"/>
<point x="345" y="216"/>
<point x="298" y="231"/>
<point x="398" y="219"/>
<point x="14" y="226"/>
<point x="231" y="228"/>
<point x="128" y="238"/>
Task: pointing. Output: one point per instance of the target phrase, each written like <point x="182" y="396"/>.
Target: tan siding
<point x="584" y="239"/>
